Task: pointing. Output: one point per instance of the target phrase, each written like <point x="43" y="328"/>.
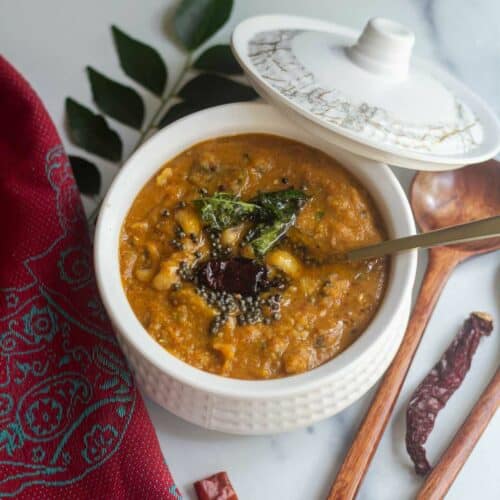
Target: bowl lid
<point x="361" y="92"/>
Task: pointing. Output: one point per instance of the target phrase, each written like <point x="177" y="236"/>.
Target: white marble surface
<point x="52" y="41"/>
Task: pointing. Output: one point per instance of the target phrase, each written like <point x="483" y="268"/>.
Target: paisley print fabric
<point x="72" y="423"/>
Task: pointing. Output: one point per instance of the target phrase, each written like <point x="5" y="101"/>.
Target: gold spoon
<point x="471" y="231"/>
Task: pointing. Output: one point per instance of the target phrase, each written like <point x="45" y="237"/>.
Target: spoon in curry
<point x="438" y="199"/>
<point x="461" y="233"/>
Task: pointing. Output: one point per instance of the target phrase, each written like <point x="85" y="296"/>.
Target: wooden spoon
<point x="438" y="199"/>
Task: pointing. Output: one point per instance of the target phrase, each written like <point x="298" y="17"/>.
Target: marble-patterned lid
<point x="365" y="92"/>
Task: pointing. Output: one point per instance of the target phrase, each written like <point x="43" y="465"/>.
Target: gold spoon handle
<point x="477" y="230"/>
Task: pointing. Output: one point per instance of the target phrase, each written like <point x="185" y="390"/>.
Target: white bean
<point x="284" y="261"/>
<point x="147" y="266"/>
<point x="231" y="236"/>
<point x="166" y="277"/>
<point x="189" y="221"/>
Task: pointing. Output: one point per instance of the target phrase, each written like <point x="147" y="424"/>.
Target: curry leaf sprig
<point x="274" y="214"/>
<point x="223" y="210"/>
<point x="195" y="21"/>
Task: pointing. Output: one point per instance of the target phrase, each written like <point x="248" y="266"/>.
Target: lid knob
<point x="384" y="48"/>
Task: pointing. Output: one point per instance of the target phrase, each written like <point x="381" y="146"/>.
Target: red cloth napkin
<point x="72" y="423"/>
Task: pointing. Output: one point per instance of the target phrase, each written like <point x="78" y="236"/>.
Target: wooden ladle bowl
<point x="441" y="199"/>
<point x="438" y="199"/>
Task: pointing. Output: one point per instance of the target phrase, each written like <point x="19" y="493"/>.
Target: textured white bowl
<point x="239" y="406"/>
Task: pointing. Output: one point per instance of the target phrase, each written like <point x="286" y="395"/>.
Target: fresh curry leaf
<point x="178" y="111"/>
<point x="140" y="62"/>
<point x="211" y="90"/>
<point x="223" y="210"/>
<point x="116" y="100"/>
<point x="91" y="132"/>
<point x="87" y="176"/>
<point x="197" y="20"/>
<point x="268" y="234"/>
<point x="219" y="59"/>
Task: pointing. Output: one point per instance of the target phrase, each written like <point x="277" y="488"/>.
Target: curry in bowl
<point x="225" y="257"/>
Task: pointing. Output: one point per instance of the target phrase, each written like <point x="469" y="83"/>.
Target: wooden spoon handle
<point x="442" y="476"/>
<point x="352" y="471"/>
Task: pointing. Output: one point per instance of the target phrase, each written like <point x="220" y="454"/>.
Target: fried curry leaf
<point x="275" y="213"/>
<point x="223" y="210"/>
<point x="282" y="208"/>
<point x="267" y="235"/>
<point x="281" y="204"/>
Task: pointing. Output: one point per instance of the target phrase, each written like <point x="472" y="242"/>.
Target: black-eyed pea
<point x="284" y="261"/>
<point x="189" y="221"/>
<point x="166" y="277"/>
<point x="231" y="236"/>
<point x="144" y="275"/>
<point x="147" y="265"/>
<point x="153" y="253"/>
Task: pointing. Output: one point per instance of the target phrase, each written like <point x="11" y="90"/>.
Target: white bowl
<point x="240" y="406"/>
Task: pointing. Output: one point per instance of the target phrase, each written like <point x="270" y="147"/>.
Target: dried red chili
<point x="237" y="275"/>
<point x="439" y="385"/>
<point x="216" y="487"/>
